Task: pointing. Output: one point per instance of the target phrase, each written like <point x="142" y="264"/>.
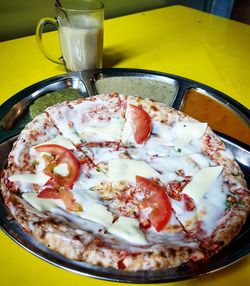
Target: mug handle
<point x="39" y="36"/>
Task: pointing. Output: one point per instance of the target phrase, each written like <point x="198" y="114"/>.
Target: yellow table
<point x="177" y="40"/>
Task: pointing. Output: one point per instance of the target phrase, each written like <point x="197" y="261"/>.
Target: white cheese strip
<point x="39" y="178"/>
<point x="127" y="133"/>
<point x="62" y="169"/>
<point x="85" y="183"/>
<point x="201" y="182"/>
<point x="128" y="229"/>
<point x="126" y="170"/>
<point x="112" y="131"/>
<point x="42" y="204"/>
<point x="82" y="194"/>
<point x="59" y="140"/>
<point x="188" y="131"/>
<point x="98" y="213"/>
<point x="92" y="210"/>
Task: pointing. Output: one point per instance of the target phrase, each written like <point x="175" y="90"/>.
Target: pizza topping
<point x="200" y="160"/>
<point x="95" y="114"/>
<point x="98" y="213"/>
<point x="61" y="155"/>
<point x="156" y="199"/>
<point x="189" y="203"/>
<point x="201" y="182"/>
<point x="178" y="134"/>
<point x="127" y="170"/>
<point x="145" y="223"/>
<point x="62" y="169"/>
<point x="174" y="189"/>
<point x="128" y="229"/>
<point x="111" y="132"/>
<point x="121" y="265"/>
<point x="50" y="191"/>
<point x="188" y="131"/>
<point x="39" y="178"/>
<point x="233" y="201"/>
<point x="59" y="140"/>
<point x="42" y="204"/>
<point x="139" y="121"/>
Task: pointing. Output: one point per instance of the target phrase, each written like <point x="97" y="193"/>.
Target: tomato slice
<point x="141" y="123"/>
<point x="156" y="199"/>
<point x="49" y="192"/>
<point x="61" y="155"/>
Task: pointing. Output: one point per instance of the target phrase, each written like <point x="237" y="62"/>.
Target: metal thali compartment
<point x="157" y="87"/>
<point x="218" y="111"/>
<point x="15" y="113"/>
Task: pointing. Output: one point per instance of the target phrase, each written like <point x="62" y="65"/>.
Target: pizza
<point x="124" y="182"/>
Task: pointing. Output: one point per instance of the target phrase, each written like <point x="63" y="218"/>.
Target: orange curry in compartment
<point x="218" y="116"/>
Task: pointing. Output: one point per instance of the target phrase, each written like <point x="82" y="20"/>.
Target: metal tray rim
<point x="144" y="277"/>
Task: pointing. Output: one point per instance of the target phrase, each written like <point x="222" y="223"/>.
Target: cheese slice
<point x="59" y="140"/>
<point x="201" y="182"/>
<point x="188" y="131"/>
<point x="62" y="169"/>
<point x="39" y="178"/>
<point x="112" y="131"/>
<point x="128" y="229"/>
<point x="126" y="170"/>
<point x="98" y="213"/>
<point x="127" y="133"/>
<point x="42" y="204"/>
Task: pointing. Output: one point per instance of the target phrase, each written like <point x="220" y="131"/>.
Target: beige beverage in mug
<point x="80" y="28"/>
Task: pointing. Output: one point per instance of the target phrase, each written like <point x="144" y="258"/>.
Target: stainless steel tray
<point x="86" y="83"/>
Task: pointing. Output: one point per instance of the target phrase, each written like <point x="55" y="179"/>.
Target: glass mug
<point x="80" y="29"/>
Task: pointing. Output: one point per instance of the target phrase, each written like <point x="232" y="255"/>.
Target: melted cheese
<point x="98" y="213"/>
<point x="42" y="204"/>
<point x="39" y="178"/>
<point x="167" y="167"/>
<point x="128" y="229"/>
<point x="188" y="131"/>
<point x="97" y="113"/>
<point x="178" y="135"/>
<point x="212" y="205"/>
<point x="126" y="170"/>
<point x="127" y="133"/>
<point x="201" y="182"/>
<point x="83" y="196"/>
<point x="110" y="132"/>
<point x="62" y="169"/>
<point x="59" y="140"/>
<point x="85" y="183"/>
<point x="89" y="200"/>
<point x="200" y="160"/>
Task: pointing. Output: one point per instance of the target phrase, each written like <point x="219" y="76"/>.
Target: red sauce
<point x="218" y="116"/>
